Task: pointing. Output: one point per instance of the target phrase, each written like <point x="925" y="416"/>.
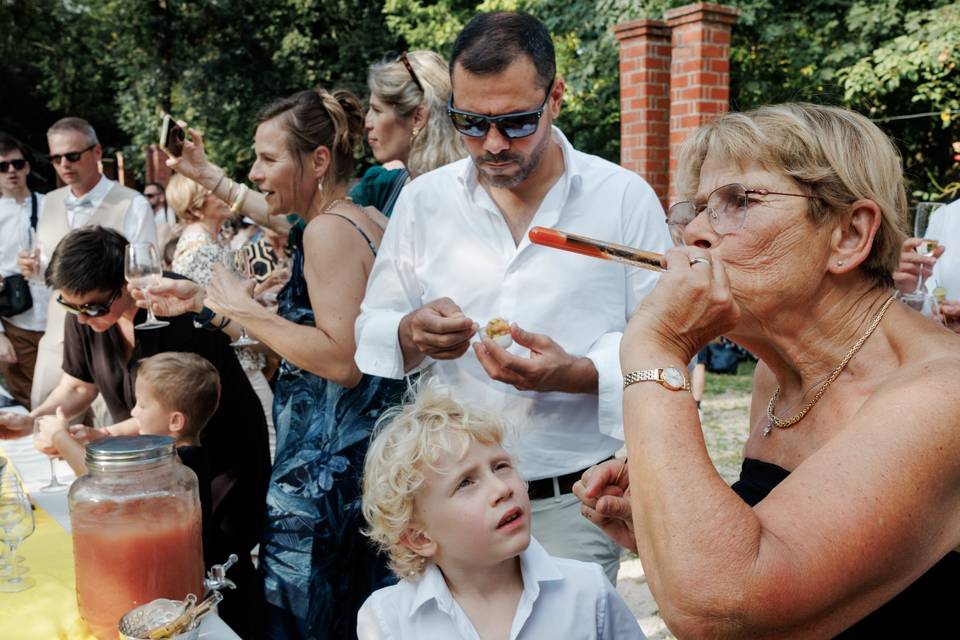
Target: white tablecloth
<point x="34" y="471"/>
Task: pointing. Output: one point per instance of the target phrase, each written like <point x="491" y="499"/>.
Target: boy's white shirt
<point x="561" y="599"/>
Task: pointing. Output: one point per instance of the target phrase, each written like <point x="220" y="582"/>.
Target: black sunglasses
<point x="17" y="165"/>
<point x="73" y="156"/>
<point x="510" y="125"/>
<point x="90" y="309"/>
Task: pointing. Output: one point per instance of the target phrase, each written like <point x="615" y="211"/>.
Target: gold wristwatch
<point x="671" y="378"/>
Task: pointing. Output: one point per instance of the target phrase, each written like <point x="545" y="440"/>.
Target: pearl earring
<point x="839" y="263"/>
<point x="320" y="185"/>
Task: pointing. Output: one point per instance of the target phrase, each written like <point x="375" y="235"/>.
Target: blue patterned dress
<point x="317" y="567"/>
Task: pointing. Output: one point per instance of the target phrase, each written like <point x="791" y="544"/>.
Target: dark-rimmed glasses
<point x="17" y="165"/>
<point x="406" y="62"/>
<point x="72" y="156"/>
<point x="90" y="309"/>
<point x="511" y="125"/>
<point x="726" y="207"/>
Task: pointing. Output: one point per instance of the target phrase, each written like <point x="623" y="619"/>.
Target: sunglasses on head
<point x="89" y="309"/>
<point x="17" y="165"/>
<point x="510" y="125"/>
<point x="73" y="156"/>
<point x="406" y="62"/>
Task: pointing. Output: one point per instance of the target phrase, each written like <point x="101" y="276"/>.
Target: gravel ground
<point x="725" y="418"/>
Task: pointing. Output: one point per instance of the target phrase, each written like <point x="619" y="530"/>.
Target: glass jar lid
<point x="124" y="452"/>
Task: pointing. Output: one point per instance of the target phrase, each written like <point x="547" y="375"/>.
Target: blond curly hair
<point x="408" y="439"/>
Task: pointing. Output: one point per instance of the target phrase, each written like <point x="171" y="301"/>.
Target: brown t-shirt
<point x="235" y="439"/>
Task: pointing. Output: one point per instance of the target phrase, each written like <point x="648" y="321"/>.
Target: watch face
<point x="674" y="377"/>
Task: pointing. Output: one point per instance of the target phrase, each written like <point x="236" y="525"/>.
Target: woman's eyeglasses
<point x="406" y="62"/>
<point x="17" y="165"/>
<point x="510" y="125"/>
<point x="90" y="309"/>
<point x="726" y="209"/>
<point x="72" y="156"/>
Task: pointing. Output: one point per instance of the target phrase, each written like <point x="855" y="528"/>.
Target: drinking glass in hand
<point x="28" y="243"/>
<point x="16" y="523"/>
<point x="920" y="225"/>
<point x="142" y="267"/>
<point x="54" y="485"/>
<point x="239" y="263"/>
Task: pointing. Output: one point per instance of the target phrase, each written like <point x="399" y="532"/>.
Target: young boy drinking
<point x="446" y="504"/>
<point x="176" y="394"/>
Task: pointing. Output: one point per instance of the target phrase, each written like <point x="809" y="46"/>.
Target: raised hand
<point x="169" y="297"/>
<point x="912" y="264"/>
<point x="604" y="493"/>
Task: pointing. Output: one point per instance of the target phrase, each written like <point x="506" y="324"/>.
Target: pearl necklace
<point x="336" y="201"/>
<point x="779" y="423"/>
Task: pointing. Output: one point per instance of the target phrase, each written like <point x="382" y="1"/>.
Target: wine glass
<point x="54" y="485"/>
<point x="142" y="267"/>
<point x="921" y="224"/>
<point x="239" y="263"/>
<point x="28" y="243"/>
<point x="16" y="524"/>
<point x="924" y="303"/>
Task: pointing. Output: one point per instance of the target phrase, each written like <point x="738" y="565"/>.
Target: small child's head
<point x="176" y="394"/>
<point x="438" y="485"/>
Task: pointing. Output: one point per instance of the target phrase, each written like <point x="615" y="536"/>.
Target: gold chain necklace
<point x="336" y="201"/>
<point x="774" y="421"/>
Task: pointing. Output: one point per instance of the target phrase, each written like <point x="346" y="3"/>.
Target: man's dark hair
<point x="8" y="143"/>
<point x="88" y="259"/>
<point x="492" y="41"/>
<point x="154" y="184"/>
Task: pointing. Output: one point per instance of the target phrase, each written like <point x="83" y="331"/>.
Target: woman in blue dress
<point x="316" y="565"/>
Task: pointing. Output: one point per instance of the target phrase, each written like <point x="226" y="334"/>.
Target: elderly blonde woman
<point x="198" y="250"/>
<point x="846" y="517"/>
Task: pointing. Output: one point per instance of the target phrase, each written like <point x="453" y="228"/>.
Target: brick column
<point x="699" y="71"/>
<point x="156" y="169"/>
<point x="645" y="100"/>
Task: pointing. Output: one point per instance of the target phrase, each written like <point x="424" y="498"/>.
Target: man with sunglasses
<point x="456" y="255"/>
<point x="89" y="198"/>
<point x="102" y="349"/>
<point x="19" y="211"/>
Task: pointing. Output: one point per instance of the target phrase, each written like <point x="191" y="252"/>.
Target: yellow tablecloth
<point x="48" y="610"/>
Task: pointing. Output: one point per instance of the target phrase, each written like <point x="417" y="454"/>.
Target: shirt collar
<point x="93" y="197"/>
<point x="536" y="566"/>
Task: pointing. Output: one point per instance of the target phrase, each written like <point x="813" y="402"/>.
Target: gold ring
<point x="698" y="260"/>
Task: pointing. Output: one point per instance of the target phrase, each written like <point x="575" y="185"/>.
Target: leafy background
<point x="216" y="62"/>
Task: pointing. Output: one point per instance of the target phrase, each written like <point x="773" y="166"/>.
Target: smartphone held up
<point x="172" y="136"/>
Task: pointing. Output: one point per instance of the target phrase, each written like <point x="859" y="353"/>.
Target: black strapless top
<point x="927" y="608"/>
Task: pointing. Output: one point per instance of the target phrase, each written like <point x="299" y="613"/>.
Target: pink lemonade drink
<point x="128" y="554"/>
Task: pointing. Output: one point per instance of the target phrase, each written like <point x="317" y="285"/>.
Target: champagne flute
<point x="239" y="263"/>
<point x="16" y="524"/>
<point x="921" y="224"/>
<point x="54" y="485"/>
<point x="28" y="243"/>
<point x="142" y="267"/>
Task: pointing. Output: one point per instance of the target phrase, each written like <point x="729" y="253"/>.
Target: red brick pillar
<point x="645" y="100"/>
<point x="700" y="70"/>
<point x="156" y="166"/>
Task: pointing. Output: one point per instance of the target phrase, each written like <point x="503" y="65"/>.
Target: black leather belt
<point x="543" y="488"/>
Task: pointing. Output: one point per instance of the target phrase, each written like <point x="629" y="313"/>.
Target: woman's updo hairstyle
<point x="321" y="119"/>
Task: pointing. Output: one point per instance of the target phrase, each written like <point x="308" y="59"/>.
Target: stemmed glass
<point x="142" y="267"/>
<point x="238" y="262"/>
<point x="924" y="303"/>
<point x="54" y="485"/>
<point x="921" y="224"/>
<point x="16" y="524"/>
<point x="28" y="243"/>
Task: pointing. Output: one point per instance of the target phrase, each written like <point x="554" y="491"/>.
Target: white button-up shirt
<point x="561" y="598"/>
<point x="447" y="238"/>
<point x="14" y="229"/>
<point x="945" y="227"/>
<point x="138" y="224"/>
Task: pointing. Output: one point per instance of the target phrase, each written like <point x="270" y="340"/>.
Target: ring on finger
<point x="699" y="260"/>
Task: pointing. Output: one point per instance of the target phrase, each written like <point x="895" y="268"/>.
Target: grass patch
<point x="719" y="384"/>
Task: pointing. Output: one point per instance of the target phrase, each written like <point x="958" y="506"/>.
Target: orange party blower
<point x="557" y="239"/>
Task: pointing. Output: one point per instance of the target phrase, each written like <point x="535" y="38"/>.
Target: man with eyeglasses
<point x="456" y="255"/>
<point x="19" y="212"/>
<point x="89" y="198"/>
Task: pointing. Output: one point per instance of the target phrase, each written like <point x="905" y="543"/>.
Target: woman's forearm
<point x="254" y="204"/>
<point x="306" y="347"/>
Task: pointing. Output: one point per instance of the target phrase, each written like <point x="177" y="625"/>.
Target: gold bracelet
<point x="239" y="201"/>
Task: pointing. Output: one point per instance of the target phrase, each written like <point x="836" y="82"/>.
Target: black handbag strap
<point x="33" y="210"/>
